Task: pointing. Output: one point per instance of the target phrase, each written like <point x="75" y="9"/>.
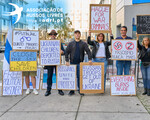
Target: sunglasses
<point x="53" y="34"/>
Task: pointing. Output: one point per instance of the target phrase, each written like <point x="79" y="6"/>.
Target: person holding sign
<point x="50" y="69"/>
<point x="76" y="50"/>
<point x="33" y="80"/>
<point x="145" y="66"/>
<point x="123" y="64"/>
<point x="100" y="51"/>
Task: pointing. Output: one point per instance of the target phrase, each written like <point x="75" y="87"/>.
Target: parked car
<point x="2" y="47"/>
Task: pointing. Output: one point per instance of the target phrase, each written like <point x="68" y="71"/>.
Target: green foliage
<point x="63" y="28"/>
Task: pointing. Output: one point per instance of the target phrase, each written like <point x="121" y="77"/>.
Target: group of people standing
<point x="75" y="51"/>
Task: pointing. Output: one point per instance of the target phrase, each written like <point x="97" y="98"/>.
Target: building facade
<point x="5" y="20"/>
<point x="79" y="14"/>
<point x="124" y="12"/>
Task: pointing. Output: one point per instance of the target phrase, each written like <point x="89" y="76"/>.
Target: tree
<point x="64" y="28"/>
<point x="65" y="31"/>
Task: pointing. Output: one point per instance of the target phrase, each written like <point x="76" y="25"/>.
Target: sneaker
<point x="35" y="92"/>
<point x="27" y="91"/>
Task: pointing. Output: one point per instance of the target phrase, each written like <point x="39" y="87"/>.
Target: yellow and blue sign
<point x="23" y="61"/>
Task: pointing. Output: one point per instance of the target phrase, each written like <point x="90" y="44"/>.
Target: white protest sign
<point x="12" y="83"/>
<point x="123" y="85"/>
<point x="50" y="52"/>
<point x="100" y="17"/>
<point x="124" y="50"/>
<point x="66" y="77"/>
<point x="25" y="40"/>
<point x="92" y="78"/>
<point x="44" y="82"/>
<point x="37" y="81"/>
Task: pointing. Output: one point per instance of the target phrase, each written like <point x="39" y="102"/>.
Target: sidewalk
<point x="56" y="107"/>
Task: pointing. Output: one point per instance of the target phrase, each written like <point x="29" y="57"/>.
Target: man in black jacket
<point x="76" y="50"/>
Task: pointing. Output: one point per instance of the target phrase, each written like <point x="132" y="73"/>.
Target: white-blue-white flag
<point x="8" y="48"/>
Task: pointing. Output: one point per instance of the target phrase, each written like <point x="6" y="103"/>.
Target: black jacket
<point x="70" y="50"/>
<point x="144" y="54"/>
<point x="95" y="45"/>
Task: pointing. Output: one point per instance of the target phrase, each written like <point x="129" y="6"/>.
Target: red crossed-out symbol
<point x="129" y="45"/>
<point x="118" y="45"/>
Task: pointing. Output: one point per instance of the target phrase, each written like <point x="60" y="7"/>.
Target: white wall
<point x="122" y="3"/>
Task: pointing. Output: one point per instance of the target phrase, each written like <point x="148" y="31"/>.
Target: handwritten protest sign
<point x="123" y="85"/>
<point x="37" y="81"/>
<point x="66" y="77"/>
<point x="12" y="83"/>
<point x="25" y="40"/>
<point x="92" y="78"/>
<point x="100" y="17"/>
<point x="124" y="50"/>
<point x="23" y="61"/>
<point x="143" y="24"/>
<point x="50" y="52"/>
<point x="44" y="83"/>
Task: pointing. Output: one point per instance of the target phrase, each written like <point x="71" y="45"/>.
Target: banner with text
<point x="23" y="61"/>
<point x="92" y="78"/>
<point x="124" y="50"/>
<point x="123" y="85"/>
<point x="66" y="77"/>
<point x="143" y="24"/>
<point x="50" y="52"/>
<point x="12" y="83"/>
<point x="25" y="40"/>
<point x="100" y="17"/>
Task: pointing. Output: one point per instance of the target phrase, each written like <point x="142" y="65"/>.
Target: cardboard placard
<point x="44" y="82"/>
<point x="123" y="85"/>
<point x="143" y="24"/>
<point x="25" y="40"/>
<point x="12" y="83"/>
<point x="124" y="50"/>
<point x="66" y="77"/>
<point x="38" y="79"/>
<point x="100" y="16"/>
<point x="92" y="78"/>
<point x="23" y="61"/>
<point x="50" y="52"/>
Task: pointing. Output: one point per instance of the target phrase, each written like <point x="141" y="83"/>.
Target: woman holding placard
<point x="100" y="51"/>
<point x="145" y="66"/>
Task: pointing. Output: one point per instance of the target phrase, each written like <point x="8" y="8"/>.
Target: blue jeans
<point x="121" y="64"/>
<point x="104" y="60"/>
<point x="78" y="75"/>
<point x="146" y="76"/>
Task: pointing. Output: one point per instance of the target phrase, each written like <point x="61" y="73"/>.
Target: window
<point x="22" y="14"/>
<point x="4" y="22"/>
<point x="16" y="25"/>
<point x="4" y="8"/>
